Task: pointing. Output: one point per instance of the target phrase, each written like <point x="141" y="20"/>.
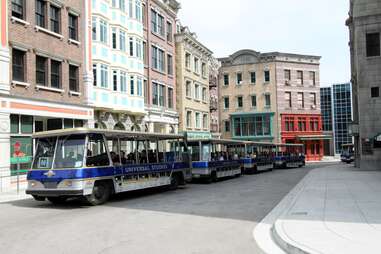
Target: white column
<point x="5" y="149"/>
<point x="4" y="70"/>
<point x="87" y="66"/>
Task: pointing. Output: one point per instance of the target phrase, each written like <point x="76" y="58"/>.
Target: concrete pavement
<point x="335" y="209"/>
<point x="201" y="218"/>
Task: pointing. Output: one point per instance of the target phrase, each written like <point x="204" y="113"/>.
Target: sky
<point x="312" y="27"/>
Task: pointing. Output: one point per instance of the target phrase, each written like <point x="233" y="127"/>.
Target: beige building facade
<point x="192" y="72"/>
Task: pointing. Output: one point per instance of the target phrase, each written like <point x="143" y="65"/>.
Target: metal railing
<point x="11" y="180"/>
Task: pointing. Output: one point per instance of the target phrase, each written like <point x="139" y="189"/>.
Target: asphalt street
<point x="199" y="218"/>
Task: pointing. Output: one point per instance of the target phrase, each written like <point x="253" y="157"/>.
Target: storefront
<point x="20" y="118"/>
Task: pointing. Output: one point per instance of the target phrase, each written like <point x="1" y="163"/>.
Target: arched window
<point x="100" y="125"/>
<point x="119" y="127"/>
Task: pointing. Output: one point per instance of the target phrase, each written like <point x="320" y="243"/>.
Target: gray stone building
<point x="364" y="24"/>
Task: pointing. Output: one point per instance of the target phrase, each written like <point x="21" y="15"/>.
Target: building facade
<point x="364" y="24"/>
<point x="117" y="93"/>
<point x="214" y="66"/>
<point x="336" y="107"/>
<point x="192" y="76"/>
<point x="159" y="26"/>
<point x="43" y="82"/>
<point x="272" y="97"/>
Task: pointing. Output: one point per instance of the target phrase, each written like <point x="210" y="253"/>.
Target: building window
<point x="198" y="120"/>
<point x="169" y="32"/>
<point x="140" y="86"/>
<point x="95" y="74"/>
<point x="239" y="102"/>
<point x="73" y="78"/>
<point x="372" y="44"/>
<point x="253" y="78"/>
<point x="122" y="41"/>
<point x="187" y="61"/>
<point x="115" y="80"/>
<point x="18" y="62"/>
<point x="289" y="124"/>
<point x="18" y="9"/>
<point x="239" y="78"/>
<point x="40" y="13"/>
<point x="113" y="38"/>
<point x="299" y="76"/>
<point x="314" y="124"/>
<point x="375" y="92"/>
<point x="41" y="63"/>
<point x="253" y="101"/>
<point x="189" y="119"/>
<point x="103" y="30"/>
<point x="155" y="93"/>
<point x="258" y="125"/>
<point x="204" y="94"/>
<point x="267" y="76"/>
<point x="145" y="59"/>
<point x="226" y="79"/>
<point x="302" y="124"/>
<point x="158" y="59"/>
<point x="287" y="75"/>
<point x="73" y="27"/>
<point x="300" y="100"/>
<point x="205" y="121"/>
<point x="226" y="102"/>
<point x="55" y="74"/>
<point x="138" y="10"/>
<point x="122" y="5"/>
<point x="267" y="100"/>
<point x="157" y="23"/>
<point x="313" y="77"/>
<point x="139" y="48"/>
<point x="287" y="98"/>
<point x="132" y="47"/>
<point x="54" y="19"/>
<point x="196" y="65"/>
<point x="170" y="97"/>
<point x="94" y="29"/>
<point x="169" y="64"/>
<point x="313" y="100"/>
<point x="145" y="82"/>
<point x="197" y="91"/>
<point x="161" y="95"/>
<point x="123" y="82"/>
<point x="188" y="90"/>
<point x="203" y="70"/>
<point x="227" y="126"/>
<point x="132" y="85"/>
<point x="104" y="76"/>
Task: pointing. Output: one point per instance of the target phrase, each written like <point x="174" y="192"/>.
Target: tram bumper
<point x="63" y="188"/>
<point x="201" y="172"/>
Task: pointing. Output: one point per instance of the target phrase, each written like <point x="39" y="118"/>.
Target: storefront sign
<point x="21" y="150"/>
<point x="199" y="135"/>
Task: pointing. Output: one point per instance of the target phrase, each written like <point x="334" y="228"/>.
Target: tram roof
<point x="217" y="141"/>
<point x="108" y="133"/>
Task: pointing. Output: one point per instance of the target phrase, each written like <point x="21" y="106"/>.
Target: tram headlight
<point x="68" y="183"/>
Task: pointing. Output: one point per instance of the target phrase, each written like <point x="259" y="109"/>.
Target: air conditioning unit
<point x="313" y="106"/>
<point x="287" y="82"/>
<point x="240" y="83"/>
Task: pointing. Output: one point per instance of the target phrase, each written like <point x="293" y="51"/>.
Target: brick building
<point x="272" y="97"/>
<point x="159" y="25"/>
<point x="43" y="81"/>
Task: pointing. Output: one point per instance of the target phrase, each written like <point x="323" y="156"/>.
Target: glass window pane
<point x="26" y="124"/>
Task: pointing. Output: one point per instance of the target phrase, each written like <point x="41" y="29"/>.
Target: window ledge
<point x="266" y="82"/>
<point x="73" y="93"/>
<point x="188" y="97"/>
<point x="38" y="28"/>
<point x="253" y="84"/>
<point x="46" y="88"/>
<point x="21" y="21"/>
<point x="75" y="42"/>
<point x="19" y="83"/>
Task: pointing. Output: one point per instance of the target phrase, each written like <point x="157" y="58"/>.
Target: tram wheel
<point x="57" y="200"/>
<point x="213" y="176"/>
<point x="175" y="180"/>
<point x="101" y="193"/>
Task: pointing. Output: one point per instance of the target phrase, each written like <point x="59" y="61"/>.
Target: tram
<point x="348" y="153"/>
<point x="289" y="156"/>
<point x="258" y="157"/>
<point x="94" y="164"/>
<point x="213" y="159"/>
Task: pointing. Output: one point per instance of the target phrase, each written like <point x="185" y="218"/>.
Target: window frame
<point x="20" y="67"/>
<point x="76" y="78"/>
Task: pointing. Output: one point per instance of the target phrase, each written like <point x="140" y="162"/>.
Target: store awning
<point x="314" y="137"/>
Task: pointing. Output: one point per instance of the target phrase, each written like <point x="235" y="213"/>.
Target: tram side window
<point x="96" y="152"/>
<point x="69" y="153"/>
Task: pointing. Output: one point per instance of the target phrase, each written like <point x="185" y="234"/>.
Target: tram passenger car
<point x="94" y="164"/>
<point x="258" y="157"/>
<point x="289" y="156"/>
<point x="212" y="159"/>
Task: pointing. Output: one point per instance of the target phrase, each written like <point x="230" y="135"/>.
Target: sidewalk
<point x="335" y="209"/>
<point x="13" y="195"/>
